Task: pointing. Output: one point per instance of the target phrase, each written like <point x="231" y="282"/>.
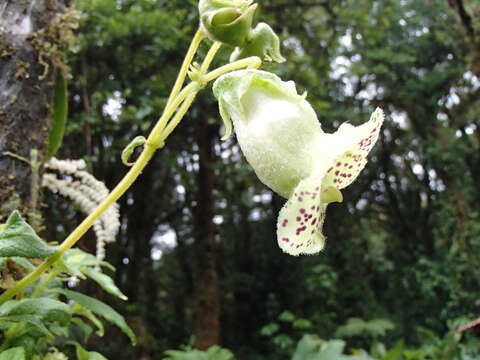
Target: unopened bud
<point x="228" y="21"/>
<point x="262" y="42"/>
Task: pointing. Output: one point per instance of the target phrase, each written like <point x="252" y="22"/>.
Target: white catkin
<point x="69" y="179"/>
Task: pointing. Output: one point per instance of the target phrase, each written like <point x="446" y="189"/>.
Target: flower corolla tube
<point x="283" y="141"/>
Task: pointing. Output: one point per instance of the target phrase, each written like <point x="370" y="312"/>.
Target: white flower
<point x="282" y="139"/>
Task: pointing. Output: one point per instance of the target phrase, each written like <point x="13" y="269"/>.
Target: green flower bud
<point x="282" y="140"/>
<point x="228" y="21"/>
<point x="262" y="42"/>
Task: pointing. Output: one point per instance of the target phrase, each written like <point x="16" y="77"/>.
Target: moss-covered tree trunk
<point x="30" y="43"/>
<point x="207" y="307"/>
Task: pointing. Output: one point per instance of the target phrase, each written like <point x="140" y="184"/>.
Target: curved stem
<point x="81" y="229"/>
<point x="252" y="62"/>
<point x="197" y="39"/>
<point x="175" y="99"/>
<point x="157" y="135"/>
<point x="178" y="116"/>
<point x="154" y="142"/>
<point x="210" y="55"/>
<point x="39" y="288"/>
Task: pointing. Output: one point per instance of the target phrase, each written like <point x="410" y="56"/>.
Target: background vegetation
<point x="403" y="246"/>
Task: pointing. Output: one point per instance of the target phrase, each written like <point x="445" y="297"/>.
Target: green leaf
<point x="46" y="309"/>
<point x="269" y="329"/>
<point x="286" y="316"/>
<point x="213" y="353"/>
<point x="17" y="238"/>
<point x="31" y="319"/>
<point x="357" y="326"/>
<point x="105" y="282"/>
<point x="302" y="324"/>
<point x="101" y="309"/>
<point x="93" y="355"/>
<point x="311" y="347"/>
<point x="76" y="259"/>
<point x="16" y="353"/>
<point x="80" y="310"/>
<point x="83" y="327"/>
<point x="23" y="263"/>
<point x="59" y="117"/>
<point x="27" y="343"/>
<point x="65" y="267"/>
<point x="82" y="354"/>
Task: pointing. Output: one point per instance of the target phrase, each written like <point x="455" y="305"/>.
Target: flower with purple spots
<point x="283" y="141"/>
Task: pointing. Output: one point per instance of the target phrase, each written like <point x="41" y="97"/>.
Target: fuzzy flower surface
<point x="282" y="139"/>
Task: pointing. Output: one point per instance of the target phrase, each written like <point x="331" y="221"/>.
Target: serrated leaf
<point x="59" y="117"/>
<point x="104" y="281"/>
<point x="16" y="353"/>
<point x="48" y="310"/>
<point x="101" y="309"/>
<point x="17" y="238"/>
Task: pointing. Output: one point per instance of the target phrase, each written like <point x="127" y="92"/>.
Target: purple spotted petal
<point x="299" y="224"/>
<point x="346" y="168"/>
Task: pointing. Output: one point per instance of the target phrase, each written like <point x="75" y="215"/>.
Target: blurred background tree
<point x="197" y="252"/>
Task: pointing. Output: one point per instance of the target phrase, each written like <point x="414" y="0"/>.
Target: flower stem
<point x="252" y="62"/>
<point x="39" y="288"/>
<point x="197" y="39"/>
<point x="175" y="99"/>
<point x="155" y="141"/>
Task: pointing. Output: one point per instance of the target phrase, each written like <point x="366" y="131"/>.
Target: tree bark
<point x="468" y="23"/>
<point x="207" y="307"/>
<point x="29" y="56"/>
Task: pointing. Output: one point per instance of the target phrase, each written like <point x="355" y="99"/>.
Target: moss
<point x="50" y="42"/>
<point x="6" y="50"/>
<point x="22" y="68"/>
<point x="13" y="202"/>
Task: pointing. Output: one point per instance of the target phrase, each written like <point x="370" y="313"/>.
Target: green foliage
<point x="18" y="239"/>
<point x="99" y="308"/>
<point x="106" y="282"/>
<point x="311" y="347"/>
<point x="15" y="353"/>
<point x="30" y="323"/>
<point x="59" y="117"/>
<point x="407" y="251"/>
<point x="356" y="327"/>
<point x="212" y="353"/>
